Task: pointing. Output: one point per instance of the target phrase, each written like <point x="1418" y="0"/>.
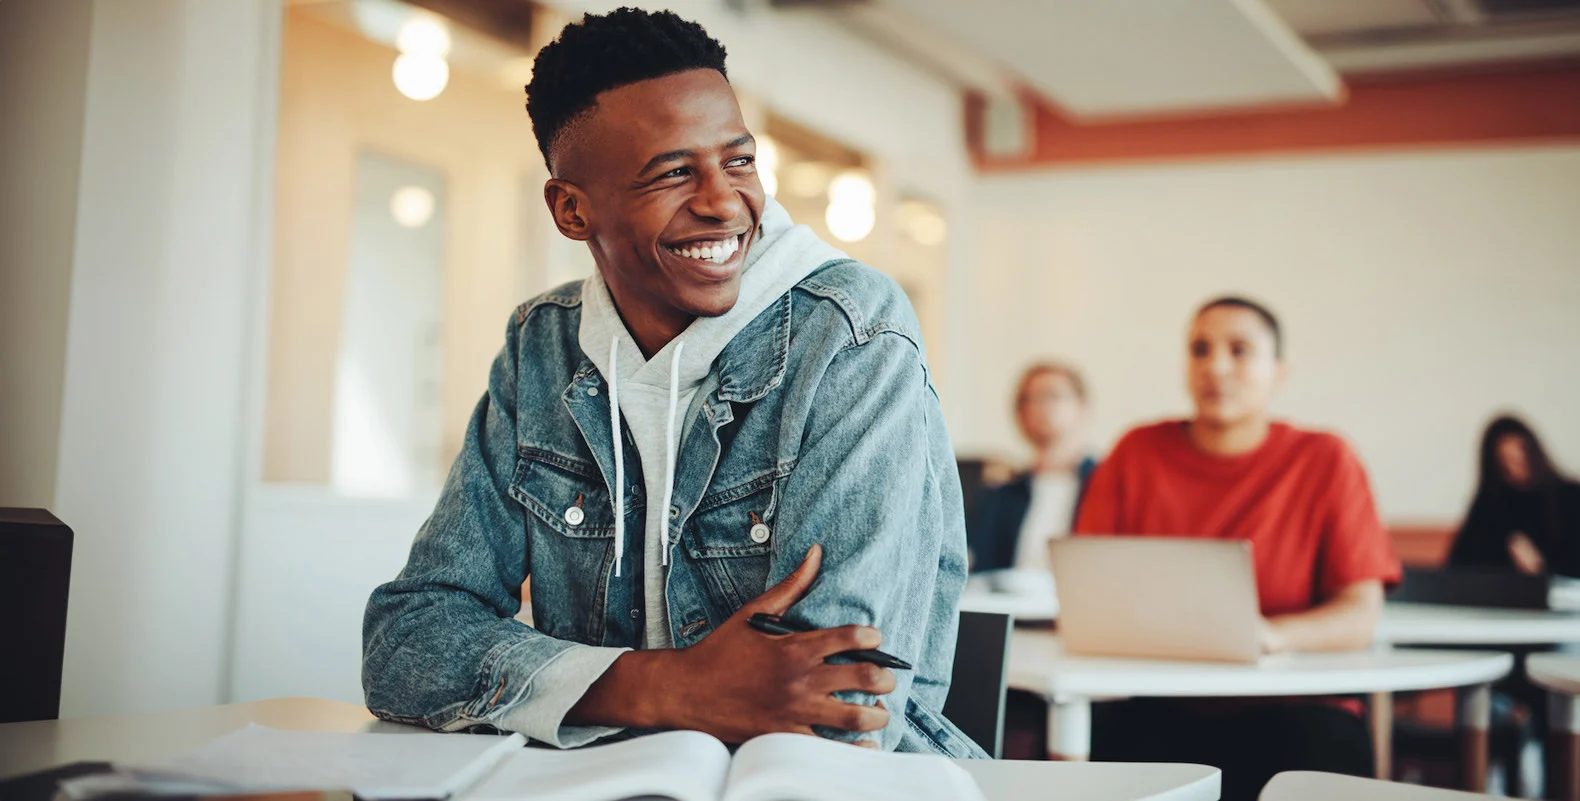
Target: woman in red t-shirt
<point x="1321" y="555"/>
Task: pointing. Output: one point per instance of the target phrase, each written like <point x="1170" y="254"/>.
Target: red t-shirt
<point x="1301" y="499"/>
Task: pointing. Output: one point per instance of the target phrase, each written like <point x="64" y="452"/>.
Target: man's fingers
<point x="871" y="745"/>
<point x="821" y="643"/>
<point x="780" y="597"/>
<point x="837" y="714"/>
<point x="863" y="676"/>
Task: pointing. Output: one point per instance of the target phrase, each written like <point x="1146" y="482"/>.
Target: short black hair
<point x="1237" y="302"/>
<point x="607" y="51"/>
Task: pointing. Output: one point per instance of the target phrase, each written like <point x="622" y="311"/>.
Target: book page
<point x="407" y="765"/>
<point x="679" y="765"/>
<point x="798" y="767"/>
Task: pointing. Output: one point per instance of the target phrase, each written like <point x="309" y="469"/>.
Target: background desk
<point x="26" y="747"/>
<point x="1559" y="674"/>
<point x="1069" y="684"/>
<point x="1311" y="786"/>
<point x="1431" y="624"/>
<point x="1438" y="624"/>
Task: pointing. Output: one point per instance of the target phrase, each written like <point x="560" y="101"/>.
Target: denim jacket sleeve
<point x="875" y="484"/>
<point x="441" y="645"/>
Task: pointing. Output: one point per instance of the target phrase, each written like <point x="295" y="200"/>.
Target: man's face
<point x="1233" y="367"/>
<point x="670" y="195"/>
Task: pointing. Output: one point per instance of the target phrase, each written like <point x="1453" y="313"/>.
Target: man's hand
<point x="1273" y="640"/>
<point x="738" y="682"/>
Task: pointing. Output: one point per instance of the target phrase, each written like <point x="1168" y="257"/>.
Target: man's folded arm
<point x="441" y="645"/>
<point x="875" y="485"/>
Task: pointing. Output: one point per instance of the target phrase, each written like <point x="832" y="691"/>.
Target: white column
<point x="170" y="241"/>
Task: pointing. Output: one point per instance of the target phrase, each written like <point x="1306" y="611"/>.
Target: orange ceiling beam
<point x="1418" y="110"/>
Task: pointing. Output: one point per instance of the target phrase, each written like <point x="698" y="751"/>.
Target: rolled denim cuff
<point x="553" y="690"/>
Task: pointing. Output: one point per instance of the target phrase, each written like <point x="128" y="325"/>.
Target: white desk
<point x="1069" y="684"/>
<point x="1438" y="624"/>
<point x="26" y="747"/>
<point x="1432" y="624"/>
<point x="1301" y="785"/>
<point x="1401" y="624"/>
<point x="1559" y="674"/>
<point x="1024" y="607"/>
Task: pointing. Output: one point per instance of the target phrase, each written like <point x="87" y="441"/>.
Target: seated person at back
<point x="1321" y="555"/>
<point x="1013" y="522"/>
<point x="728" y="417"/>
<point x="1526" y="515"/>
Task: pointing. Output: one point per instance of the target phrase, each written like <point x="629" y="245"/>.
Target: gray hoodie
<point x="651" y="393"/>
<point x="655" y="397"/>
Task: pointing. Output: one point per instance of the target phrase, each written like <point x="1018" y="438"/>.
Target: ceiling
<point x="1099" y="60"/>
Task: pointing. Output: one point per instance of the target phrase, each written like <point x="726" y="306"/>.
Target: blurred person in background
<point x="1014" y="521"/>
<point x="1525" y="515"/>
<point x="1321" y="555"/>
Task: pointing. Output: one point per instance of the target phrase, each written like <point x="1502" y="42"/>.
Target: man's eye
<point x="678" y="172"/>
<point x="742" y="161"/>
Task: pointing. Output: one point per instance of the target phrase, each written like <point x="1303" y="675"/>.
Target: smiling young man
<point x="1319" y="551"/>
<point x="729" y="417"/>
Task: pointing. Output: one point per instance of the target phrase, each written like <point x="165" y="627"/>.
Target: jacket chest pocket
<point x="567" y="496"/>
<point x="731" y="537"/>
<point x="570" y="538"/>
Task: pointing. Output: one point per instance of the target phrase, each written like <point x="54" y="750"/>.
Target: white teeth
<point x="716" y="252"/>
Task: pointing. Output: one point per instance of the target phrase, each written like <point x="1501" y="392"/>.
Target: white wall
<point x="43" y="81"/>
<point x="168" y="251"/>
<point x="1421" y="292"/>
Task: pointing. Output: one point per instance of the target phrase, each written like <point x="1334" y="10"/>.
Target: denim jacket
<point x="819" y="420"/>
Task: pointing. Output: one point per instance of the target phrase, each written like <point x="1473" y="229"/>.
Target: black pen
<point x="774" y="624"/>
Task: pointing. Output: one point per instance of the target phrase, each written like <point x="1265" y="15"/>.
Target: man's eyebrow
<point x="673" y="155"/>
<point x="679" y="155"/>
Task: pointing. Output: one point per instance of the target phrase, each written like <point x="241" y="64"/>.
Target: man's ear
<point x="569" y="207"/>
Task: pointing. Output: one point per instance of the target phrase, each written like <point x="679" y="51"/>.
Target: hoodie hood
<point x="781" y="255"/>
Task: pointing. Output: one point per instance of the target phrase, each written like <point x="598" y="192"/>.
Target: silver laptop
<point x="1157" y="597"/>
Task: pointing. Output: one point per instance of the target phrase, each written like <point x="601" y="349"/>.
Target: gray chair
<point x="35" y="572"/>
<point x="977" y="684"/>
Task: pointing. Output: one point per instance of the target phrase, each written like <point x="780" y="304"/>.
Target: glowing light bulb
<point x="412" y="206"/>
<point x="421" y="76"/>
<point x="850" y="222"/>
<point x="852" y="186"/>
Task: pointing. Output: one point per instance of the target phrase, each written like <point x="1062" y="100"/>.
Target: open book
<point x="681" y="765"/>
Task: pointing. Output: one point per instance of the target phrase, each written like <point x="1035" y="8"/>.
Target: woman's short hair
<point x="1049" y="368"/>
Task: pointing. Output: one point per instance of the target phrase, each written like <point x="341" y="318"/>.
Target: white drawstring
<point x="619" y="455"/>
<point x="619" y="452"/>
<point x="669" y="444"/>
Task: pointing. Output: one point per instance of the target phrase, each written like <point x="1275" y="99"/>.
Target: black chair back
<point x="35" y="574"/>
<point x="976" y="688"/>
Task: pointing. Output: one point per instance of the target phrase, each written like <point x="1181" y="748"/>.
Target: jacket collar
<point x="755" y="360"/>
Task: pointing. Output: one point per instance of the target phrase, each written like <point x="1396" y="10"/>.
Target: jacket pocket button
<point x="575" y="515"/>
<point x="761" y="533"/>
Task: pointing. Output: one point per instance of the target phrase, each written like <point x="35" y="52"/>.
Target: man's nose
<point x="717" y="198"/>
